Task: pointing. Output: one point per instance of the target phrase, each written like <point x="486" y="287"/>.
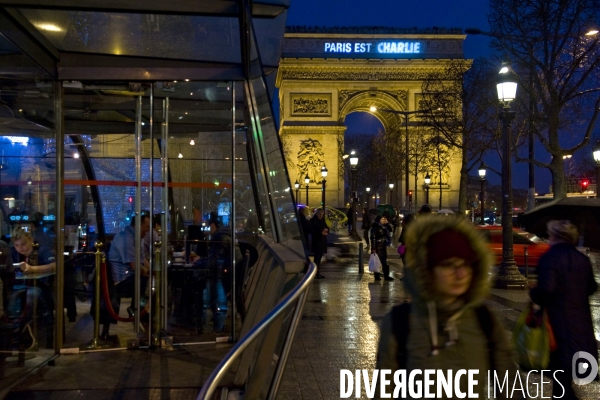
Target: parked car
<point x="535" y="246"/>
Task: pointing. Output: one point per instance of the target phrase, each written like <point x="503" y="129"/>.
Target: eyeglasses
<point x="451" y="267"/>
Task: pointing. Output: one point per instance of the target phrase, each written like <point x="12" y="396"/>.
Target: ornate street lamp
<point x="297" y="186"/>
<point x="508" y="276"/>
<point x="596" y="153"/>
<point x="368" y="189"/>
<point x="427" y="182"/>
<point x="391" y="185"/>
<point x="482" y="180"/>
<point x="353" y="164"/>
<point x="306" y="182"/>
<point x="324" y="175"/>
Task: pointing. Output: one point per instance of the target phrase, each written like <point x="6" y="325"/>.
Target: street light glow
<point x="596" y="152"/>
<point x="324" y="172"/>
<point x="353" y="158"/>
<point x="482" y="171"/>
<point x="372" y="108"/>
<point x="506" y="84"/>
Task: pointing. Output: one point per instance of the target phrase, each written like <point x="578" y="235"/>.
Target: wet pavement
<point x="339" y="327"/>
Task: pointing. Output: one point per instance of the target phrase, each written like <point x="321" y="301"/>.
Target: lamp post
<point x="427" y="182"/>
<point x="391" y="185"/>
<point x="596" y="153"/>
<point x="297" y="186"/>
<point x="368" y="189"/>
<point x="353" y="164"/>
<point x="508" y="276"/>
<point x="306" y="181"/>
<point x="482" y="180"/>
<point x="324" y="175"/>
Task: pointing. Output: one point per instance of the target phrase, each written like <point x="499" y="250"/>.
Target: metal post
<point x="508" y="276"/>
<point x="59" y="134"/>
<point x="361" y="262"/>
<point x="95" y="343"/>
<point x="482" y="222"/>
<point x="233" y="211"/>
<point x="307" y="195"/>
<point x="597" y="181"/>
<point x="323" y="194"/>
<point x="354" y="233"/>
<point x="426" y="194"/>
<point x="157" y="298"/>
<point x="526" y="263"/>
<point x="406" y="177"/>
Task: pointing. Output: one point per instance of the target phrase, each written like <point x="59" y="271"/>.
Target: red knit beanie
<point x="449" y="243"/>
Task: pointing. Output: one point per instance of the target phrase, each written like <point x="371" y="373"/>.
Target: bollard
<point x="526" y="263"/>
<point x="361" y="261"/>
<point x="95" y="344"/>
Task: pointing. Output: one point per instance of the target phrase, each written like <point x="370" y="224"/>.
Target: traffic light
<point x="584" y="185"/>
<point x="410" y="195"/>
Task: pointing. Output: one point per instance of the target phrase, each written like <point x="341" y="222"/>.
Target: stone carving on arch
<point x="310" y="160"/>
<point x="344" y="96"/>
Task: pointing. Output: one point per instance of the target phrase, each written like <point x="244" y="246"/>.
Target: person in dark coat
<point x="319" y="231"/>
<point x="565" y="282"/>
<point x="304" y="223"/>
<point x="380" y="239"/>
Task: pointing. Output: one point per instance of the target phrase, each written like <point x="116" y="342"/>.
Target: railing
<point x="298" y="293"/>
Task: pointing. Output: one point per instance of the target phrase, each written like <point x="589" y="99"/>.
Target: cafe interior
<point x="111" y="112"/>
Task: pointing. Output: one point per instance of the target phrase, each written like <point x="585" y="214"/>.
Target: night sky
<point x="406" y="14"/>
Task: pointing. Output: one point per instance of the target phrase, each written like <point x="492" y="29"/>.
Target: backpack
<point x="400" y="329"/>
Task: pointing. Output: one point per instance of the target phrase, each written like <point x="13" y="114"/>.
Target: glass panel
<point x="269" y="33"/>
<point x="27" y="214"/>
<point x="159" y="36"/>
<point x="281" y="194"/>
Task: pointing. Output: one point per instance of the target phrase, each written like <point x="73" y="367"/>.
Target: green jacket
<point x="459" y="338"/>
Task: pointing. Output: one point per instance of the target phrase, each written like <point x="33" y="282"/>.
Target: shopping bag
<point x="532" y="338"/>
<point x="375" y="263"/>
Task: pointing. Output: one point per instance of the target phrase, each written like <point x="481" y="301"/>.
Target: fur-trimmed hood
<point x="418" y="276"/>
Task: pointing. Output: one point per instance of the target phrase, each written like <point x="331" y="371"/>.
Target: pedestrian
<point x="406" y="221"/>
<point x="319" y="231"/>
<point x="381" y="238"/>
<point x="446" y="326"/>
<point x="305" y="225"/>
<point x="565" y="282"/>
<point x="350" y="216"/>
<point x="366" y="225"/>
<point x="425" y="209"/>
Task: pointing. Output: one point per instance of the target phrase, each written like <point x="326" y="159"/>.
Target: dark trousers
<point x="126" y="288"/>
<point x="366" y="234"/>
<point x="385" y="267"/>
<point x="318" y="253"/>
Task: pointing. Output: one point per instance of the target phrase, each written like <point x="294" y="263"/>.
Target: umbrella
<point x="386" y="207"/>
<point x="584" y="213"/>
<point x="445" y="211"/>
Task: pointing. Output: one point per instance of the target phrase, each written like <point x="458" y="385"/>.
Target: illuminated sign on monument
<point x="383" y="47"/>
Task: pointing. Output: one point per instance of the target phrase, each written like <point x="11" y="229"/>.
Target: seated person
<point x="23" y="296"/>
<point x="122" y="261"/>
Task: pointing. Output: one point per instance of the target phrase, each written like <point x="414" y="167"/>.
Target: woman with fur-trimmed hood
<point x="446" y="326"/>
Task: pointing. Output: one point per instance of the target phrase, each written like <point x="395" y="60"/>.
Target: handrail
<point x="209" y="387"/>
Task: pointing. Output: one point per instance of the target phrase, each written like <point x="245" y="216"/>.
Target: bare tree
<point x="558" y="67"/>
<point x="463" y="111"/>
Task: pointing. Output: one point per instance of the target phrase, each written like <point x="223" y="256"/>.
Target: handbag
<point x="401" y="249"/>
<point x="533" y="339"/>
<point x="375" y="263"/>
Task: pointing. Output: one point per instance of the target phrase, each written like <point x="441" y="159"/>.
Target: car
<point x="535" y="246"/>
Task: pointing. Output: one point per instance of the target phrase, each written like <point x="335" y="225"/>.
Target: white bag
<point x="375" y="263"/>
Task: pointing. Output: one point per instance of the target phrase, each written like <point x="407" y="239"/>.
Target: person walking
<point x="319" y="231"/>
<point x="381" y="238"/>
<point x="565" y="283"/>
<point x="446" y="326"/>
<point x="366" y="225"/>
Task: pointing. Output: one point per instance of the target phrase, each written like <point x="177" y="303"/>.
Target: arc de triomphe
<point x="327" y="73"/>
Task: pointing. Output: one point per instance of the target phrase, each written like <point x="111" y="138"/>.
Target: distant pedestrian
<point x="565" y="283"/>
<point x="381" y="238"/>
<point x="319" y="231"/>
<point x="351" y="219"/>
<point x="406" y="221"/>
<point x="446" y="327"/>
<point x="425" y="209"/>
<point x="304" y="223"/>
<point x="366" y="225"/>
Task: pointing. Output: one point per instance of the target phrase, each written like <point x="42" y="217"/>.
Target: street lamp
<point x="596" y="153"/>
<point x="368" y="189"/>
<point x="391" y="185"/>
<point x="482" y="180"/>
<point x="297" y="186"/>
<point x="306" y="181"/>
<point x="353" y="164"/>
<point x="324" y="175"/>
<point x="508" y="276"/>
<point x="427" y="182"/>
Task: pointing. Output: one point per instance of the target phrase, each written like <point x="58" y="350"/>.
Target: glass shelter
<point x="109" y="113"/>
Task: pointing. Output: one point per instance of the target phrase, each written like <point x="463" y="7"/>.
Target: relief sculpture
<point x="310" y="160"/>
<point x="302" y="105"/>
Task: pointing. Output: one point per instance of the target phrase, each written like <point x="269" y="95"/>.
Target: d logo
<point x="590" y="367"/>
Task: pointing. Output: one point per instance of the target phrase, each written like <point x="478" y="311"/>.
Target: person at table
<point x="122" y="264"/>
<point x="154" y="236"/>
<point x="31" y="263"/>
